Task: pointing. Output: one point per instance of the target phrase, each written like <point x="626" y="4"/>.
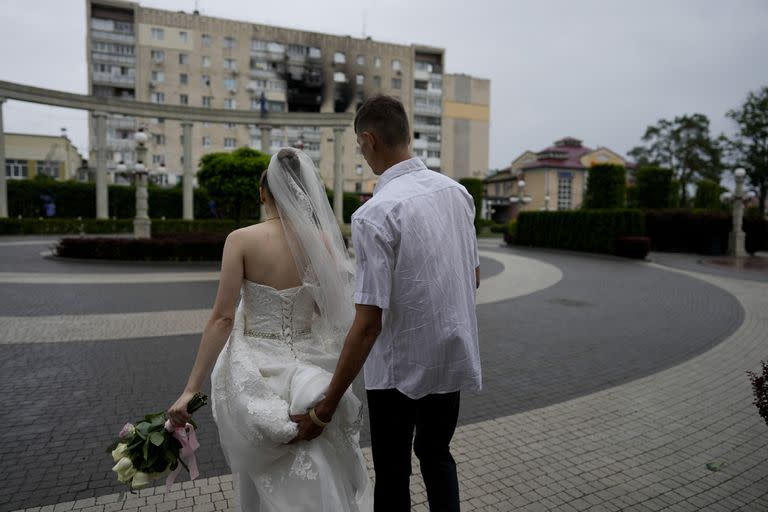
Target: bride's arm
<point x="218" y="327"/>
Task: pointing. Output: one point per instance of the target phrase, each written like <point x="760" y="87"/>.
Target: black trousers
<point x="394" y="417"/>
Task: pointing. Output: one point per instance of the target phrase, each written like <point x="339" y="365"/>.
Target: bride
<point x="273" y="354"/>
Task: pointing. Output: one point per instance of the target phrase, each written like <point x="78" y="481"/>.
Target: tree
<point x="232" y="179"/>
<point x="749" y="147"/>
<point x="683" y="145"/>
<point x="606" y="187"/>
<point x="654" y="187"/>
<point x="708" y="195"/>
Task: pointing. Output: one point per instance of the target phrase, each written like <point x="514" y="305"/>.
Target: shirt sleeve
<point x="375" y="262"/>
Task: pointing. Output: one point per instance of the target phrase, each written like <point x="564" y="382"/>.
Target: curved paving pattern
<point x="607" y="321"/>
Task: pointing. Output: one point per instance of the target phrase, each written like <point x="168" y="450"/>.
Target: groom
<point x="415" y="327"/>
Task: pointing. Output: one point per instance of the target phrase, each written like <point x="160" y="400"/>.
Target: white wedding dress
<point x="275" y="364"/>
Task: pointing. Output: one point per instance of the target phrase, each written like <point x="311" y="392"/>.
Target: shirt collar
<point x="397" y="170"/>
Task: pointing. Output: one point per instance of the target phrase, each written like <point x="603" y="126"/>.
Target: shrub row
<point x="190" y="247"/>
<point x="578" y="230"/>
<point x="93" y="226"/>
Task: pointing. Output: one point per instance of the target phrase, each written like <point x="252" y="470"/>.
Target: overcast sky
<point x="598" y="70"/>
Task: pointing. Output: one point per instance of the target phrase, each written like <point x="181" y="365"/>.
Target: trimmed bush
<point x="636" y="247"/>
<point x="701" y="231"/>
<point x="74" y="199"/>
<point x="475" y="188"/>
<point x="511" y="232"/>
<point x="93" y="226"/>
<point x="708" y="196"/>
<point x="578" y="230"/>
<point x="190" y="247"/>
<point x="654" y="188"/>
<point x="606" y="186"/>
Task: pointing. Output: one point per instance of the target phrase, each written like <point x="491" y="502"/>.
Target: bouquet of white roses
<point x="154" y="447"/>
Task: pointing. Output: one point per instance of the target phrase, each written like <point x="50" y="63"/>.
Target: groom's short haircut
<point x="385" y="116"/>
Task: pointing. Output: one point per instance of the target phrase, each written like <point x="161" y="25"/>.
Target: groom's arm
<point x="357" y="345"/>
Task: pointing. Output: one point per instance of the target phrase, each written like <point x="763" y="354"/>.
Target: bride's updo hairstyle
<point x="289" y="162"/>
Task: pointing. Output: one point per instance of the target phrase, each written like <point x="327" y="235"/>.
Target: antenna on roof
<point x="197" y="6"/>
<point x="363" y="22"/>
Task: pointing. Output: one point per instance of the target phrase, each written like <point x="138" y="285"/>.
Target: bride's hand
<point x="177" y="413"/>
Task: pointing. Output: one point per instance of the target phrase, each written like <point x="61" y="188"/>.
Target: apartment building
<point x="167" y="57"/>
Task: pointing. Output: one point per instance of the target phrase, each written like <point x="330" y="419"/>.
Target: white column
<point x="100" y="125"/>
<point x="338" y="178"/>
<point x="3" y="184"/>
<point x="188" y="194"/>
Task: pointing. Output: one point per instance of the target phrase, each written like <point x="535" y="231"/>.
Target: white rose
<point x="141" y="480"/>
<point x="124" y="469"/>
<point x="120" y="452"/>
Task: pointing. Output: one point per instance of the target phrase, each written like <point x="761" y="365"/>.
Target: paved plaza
<point x="609" y="384"/>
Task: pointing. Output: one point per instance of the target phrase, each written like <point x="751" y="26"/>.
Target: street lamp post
<point x="521" y="198"/>
<point x="141" y="223"/>
<point x="736" y="236"/>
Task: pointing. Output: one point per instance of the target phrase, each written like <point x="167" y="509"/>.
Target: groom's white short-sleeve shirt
<point x="416" y="254"/>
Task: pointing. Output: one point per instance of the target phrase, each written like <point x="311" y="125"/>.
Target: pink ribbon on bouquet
<point x="189" y="444"/>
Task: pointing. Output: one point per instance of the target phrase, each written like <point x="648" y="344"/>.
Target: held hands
<point x="309" y="427"/>
<point x="177" y="413"/>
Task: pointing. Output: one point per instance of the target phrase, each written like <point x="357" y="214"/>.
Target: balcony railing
<point x="109" y="78"/>
<point x="433" y="161"/>
<point x="426" y="128"/>
<point x="419" y="144"/>
<point x="112" y="58"/>
<point x="121" y="122"/>
<point x="121" y="144"/>
<point x="427" y="109"/>
<point x="115" y="37"/>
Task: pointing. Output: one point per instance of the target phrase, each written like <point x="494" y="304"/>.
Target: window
<point x="230" y="142"/>
<point x="358" y="187"/>
<point x="206" y="61"/>
<point x="16" y="168"/>
<point x="206" y="140"/>
<point x="158" y="76"/>
<point x="396" y="83"/>
<point x="157" y="97"/>
<point x="339" y="58"/>
<point x="377" y="62"/>
<point x="359" y="169"/>
<point x="360" y="79"/>
<point x="230" y="64"/>
<point x="229" y="104"/>
<point x="276" y="106"/>
<point x="158" y="159"/>
<point x="206" y="79"/>
<point x="230" y="126"/>
<point x="258" y="45"/>
<point x="158" y="139"/>
<point x="230" y="43"/>
<point x="360" y="60"/>
<point x="339" y="77"/>
<point x="183" y="58"/>
<point x="100" y="24"/>
<point x="315" y="53"/>
<point x="183" y="99"/>
<point x="230" y="84"/>
<point x="564" y="180"/>
<point x="49" y="168"/>
<point x="207" y="101"/>
<point x="377" y="82"/>
<point x="207" y="41"/>
<point x="183" y="78"/>
<point x="396" y="66"/>
<point x="158" y="56"/>
<point x="206" y="124"/>
<point x="158" y="34"/>
<point x="184" y="36"/>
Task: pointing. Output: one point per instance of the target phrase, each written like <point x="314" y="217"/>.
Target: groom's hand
<point x="307" y="428"/>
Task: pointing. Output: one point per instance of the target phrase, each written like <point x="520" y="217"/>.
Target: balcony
<point x="420" y="144"/>
<point x="109" y="78"/>
<point x="314" y="154"/>
<point x="121" y="122"/>
<point x="428" y="109"/>
<point x="121" y="144"/>
<point x="426" y="128"/>
<point x="114" y="37"/>
<point x="433" y="161"/>
<point x="263" y="73"/>
<point x="433" y="146"/>
<point x="113" y="58"/>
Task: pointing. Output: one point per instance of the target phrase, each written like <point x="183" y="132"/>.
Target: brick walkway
<point x="642" y="445"/>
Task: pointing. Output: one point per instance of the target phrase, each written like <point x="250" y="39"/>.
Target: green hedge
<point x="350" y="203"/>
<point x="701" y="231"/>
<point x="189" y="247"/>
<point x="74" y="199"/>
<point x="93" y="226"/>
<point x="606" y="187"/>
<point x="578" y="230"/>
<point x="654" y="188"/>
<point x="475" y="188"/>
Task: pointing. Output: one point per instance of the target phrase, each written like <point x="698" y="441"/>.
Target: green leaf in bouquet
<point x="146" y="449"/>
<point x="156" y="438"/>
<point x="156" y="419"/>
<point x="142" y="429"/>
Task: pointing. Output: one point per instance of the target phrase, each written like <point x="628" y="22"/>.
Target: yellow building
<point x="28" y="155"/>
<point x="554" y="178"/>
